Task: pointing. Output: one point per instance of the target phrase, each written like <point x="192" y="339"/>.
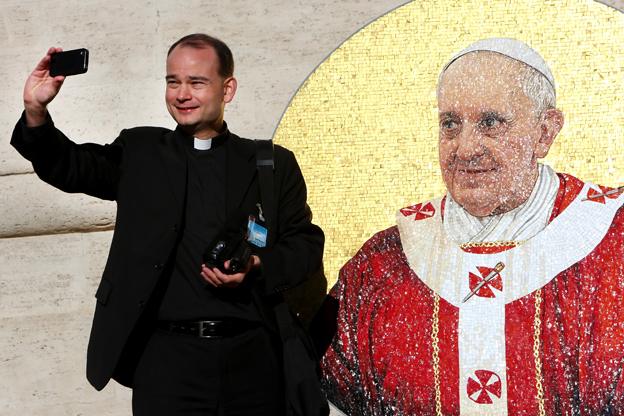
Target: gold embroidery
<point x="435" y="347"/>
<point x="488" y="244"/>
<point x="537" y="326"/>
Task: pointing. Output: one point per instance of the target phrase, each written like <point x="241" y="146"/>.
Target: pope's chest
<point x="473" y="324"/>
<point x="428" y="349"/>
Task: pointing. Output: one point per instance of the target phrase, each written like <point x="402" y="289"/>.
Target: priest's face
<point x="490" y="134"/>
<point x="196" y="93"/>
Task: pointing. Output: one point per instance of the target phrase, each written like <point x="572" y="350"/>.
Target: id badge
<point x="256" y="233"/>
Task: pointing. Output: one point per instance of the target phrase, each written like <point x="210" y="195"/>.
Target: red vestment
<point x="396" y="347"/>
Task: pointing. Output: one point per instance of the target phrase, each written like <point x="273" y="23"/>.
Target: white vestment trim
<point x="444" y="267"/>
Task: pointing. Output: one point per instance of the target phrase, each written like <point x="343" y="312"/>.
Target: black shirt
<point x="187" y="295"/>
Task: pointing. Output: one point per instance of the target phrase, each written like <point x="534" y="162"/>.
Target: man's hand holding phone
<point x="40" y="90"/>
<point x="47" y="78"/>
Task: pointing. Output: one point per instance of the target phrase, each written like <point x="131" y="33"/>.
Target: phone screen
<point x="69" y="62"/>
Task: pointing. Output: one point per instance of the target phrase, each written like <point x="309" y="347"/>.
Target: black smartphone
<point x="69" y="62"/>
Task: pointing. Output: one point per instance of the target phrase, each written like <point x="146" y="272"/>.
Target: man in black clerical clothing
<point x="189" y="338"/>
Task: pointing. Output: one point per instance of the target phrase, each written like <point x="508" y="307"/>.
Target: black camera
<point x="234" y="248"/>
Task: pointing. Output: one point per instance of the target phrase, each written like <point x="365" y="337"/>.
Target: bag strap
<point x="265" y="165"/>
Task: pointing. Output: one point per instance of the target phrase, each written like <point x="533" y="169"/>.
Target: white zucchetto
<point x="511" y="48"/>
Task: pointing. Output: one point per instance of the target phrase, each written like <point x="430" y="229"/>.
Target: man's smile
<point x="186" y="109"/>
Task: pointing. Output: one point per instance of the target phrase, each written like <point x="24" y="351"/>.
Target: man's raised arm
<point x="87" y="168"/>
<point x="40" y="90"/>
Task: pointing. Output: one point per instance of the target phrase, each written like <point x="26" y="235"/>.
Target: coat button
<point x="175" y="228"/>
<point x="141" y="304"/>
<point x="158" y="266"/>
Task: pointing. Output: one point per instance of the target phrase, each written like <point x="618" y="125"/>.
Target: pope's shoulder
<point x="383" y="243"/>
<point x="389" y="239"/>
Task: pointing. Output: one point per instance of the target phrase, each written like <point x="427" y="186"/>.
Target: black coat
<point x="144" y="170"/>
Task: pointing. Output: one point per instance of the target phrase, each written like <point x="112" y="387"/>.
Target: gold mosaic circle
<point x="364" y="124"/>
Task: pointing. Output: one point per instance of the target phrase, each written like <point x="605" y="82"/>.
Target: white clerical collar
<point x="520" y="223"/>
<point x="202" y="144"/>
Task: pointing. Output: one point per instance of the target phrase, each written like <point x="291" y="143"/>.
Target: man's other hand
<point x="217" y="278"/>
<point x="40" y="89"/>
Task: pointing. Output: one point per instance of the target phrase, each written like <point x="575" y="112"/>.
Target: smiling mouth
<point x="185" y="109"/>
<point x="476" y="171"/>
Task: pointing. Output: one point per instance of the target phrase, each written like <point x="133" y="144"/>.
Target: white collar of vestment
<point x="568" y="238"/>
<point x="520" y="223"/>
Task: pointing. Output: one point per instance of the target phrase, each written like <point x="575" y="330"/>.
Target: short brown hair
<point x="201" y="40"/>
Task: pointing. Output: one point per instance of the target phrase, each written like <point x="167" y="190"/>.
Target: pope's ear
<point x="550" y="126"/>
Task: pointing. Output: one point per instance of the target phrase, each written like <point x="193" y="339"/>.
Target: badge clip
<point x="260" y="214"/>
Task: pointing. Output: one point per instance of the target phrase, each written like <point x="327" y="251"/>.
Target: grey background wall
<point x="53" y="245"/>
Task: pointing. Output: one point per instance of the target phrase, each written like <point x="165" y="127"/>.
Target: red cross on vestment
<point x="484" y="386"/>
<point x="421" y="211"/>
<point x="486" y="290"/>
<point x="604" y="192"/>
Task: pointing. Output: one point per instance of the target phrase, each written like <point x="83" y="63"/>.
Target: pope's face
<point x="196" y="94"/>
<point x="489" y="134"/>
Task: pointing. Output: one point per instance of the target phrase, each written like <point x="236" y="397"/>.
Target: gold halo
<point x="364" y="124"/>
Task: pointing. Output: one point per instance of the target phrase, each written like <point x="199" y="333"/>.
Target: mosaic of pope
<point x="504" y="295"/>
